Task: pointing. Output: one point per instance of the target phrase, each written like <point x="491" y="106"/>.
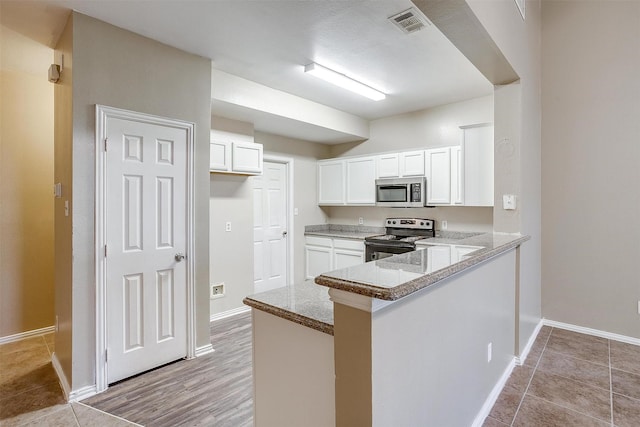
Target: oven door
<point x="375" y="251"/>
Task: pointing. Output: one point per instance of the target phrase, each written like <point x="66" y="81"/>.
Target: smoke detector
<point x="410" y="21"/>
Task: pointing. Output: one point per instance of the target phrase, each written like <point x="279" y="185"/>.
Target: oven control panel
<point x="416" y="223"/>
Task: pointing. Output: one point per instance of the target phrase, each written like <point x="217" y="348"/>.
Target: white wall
<point x="114" y="67"/>
<point x="231" y="199"/>
<point x="433" y="127"/>
<point x="591" y="158"/>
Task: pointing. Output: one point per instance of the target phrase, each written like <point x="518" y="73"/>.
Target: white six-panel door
<point x="270" y="227"/>
<point x="146" y="296"/>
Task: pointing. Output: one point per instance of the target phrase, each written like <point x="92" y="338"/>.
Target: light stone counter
<point x="401" y="275"/>
<point x="304" y="303"/>
<point x="356" y="232"/>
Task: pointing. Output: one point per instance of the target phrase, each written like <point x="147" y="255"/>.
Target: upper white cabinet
<point x="361" y="179"/>
<point x="477" y="173"/>
<point x="399" y="165"/>
<point x="349" y="181"/>
<point x="235" y="157"/>
<point x="438" y="170"/>
<point x="331" y="182"/>
<point x="388" y="165"/>
<point x="412" y="163"/>
<point x="457" y="176"/>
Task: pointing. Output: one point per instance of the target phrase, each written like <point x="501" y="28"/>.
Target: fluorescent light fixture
<point x="343" y="81"/>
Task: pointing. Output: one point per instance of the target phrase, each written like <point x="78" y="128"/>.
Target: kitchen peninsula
<point x="398" y="341"/>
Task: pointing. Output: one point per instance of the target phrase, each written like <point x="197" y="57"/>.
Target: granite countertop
<point x="400" y="275"/>
<point x="304" y="303"/>
<point x="356" y="232"/>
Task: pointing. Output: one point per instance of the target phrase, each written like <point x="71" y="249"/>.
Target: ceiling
<point x="270" y="41"/>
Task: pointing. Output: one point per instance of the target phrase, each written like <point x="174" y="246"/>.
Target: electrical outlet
<point x="227" y="226"/>
<point x="443" y="225"/>
<point x="360" y="221"/>
<point x="216" y="290"/>
<point x="489" y="352"/>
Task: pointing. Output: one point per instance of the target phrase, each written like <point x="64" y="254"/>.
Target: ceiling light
<point x="343" y="81"/>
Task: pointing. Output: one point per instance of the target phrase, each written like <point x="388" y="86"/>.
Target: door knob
<point x="284" y="234"/>
<point x="179" y="256"/>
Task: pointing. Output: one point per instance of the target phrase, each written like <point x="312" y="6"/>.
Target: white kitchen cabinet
<point x="388" y="165"/>
<point x="438" y="171"/>
<point x="318" y="255"/>
<point x="412" y="163"/>
<point x="331" y="182"/>
<point x="323" y="254"/>
<point x="438" y="257"/>
<point x="477" y="150"/>
<point x="457" y="176"/>
<point x="360" y="180"/>
<point x="235" y="157"/>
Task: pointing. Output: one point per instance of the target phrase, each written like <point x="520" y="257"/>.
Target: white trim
<point x="62" y="378"/>
<point x="82" y="393"/>
<point x="594" y="332"/>
<point x="27" y="334"/>
<point x="205" y="349"/>
<point x="493" y="396"/>
<point x="289" y="163"/>
<point x="360" y="302"/>
<point x="103" y="113"/>
<point x="527" y="348"/>
<point x="229" y="313"/>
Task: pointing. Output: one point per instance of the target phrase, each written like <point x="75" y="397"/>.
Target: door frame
<point x="289" y="163"/>
<point x="103" y="114"/>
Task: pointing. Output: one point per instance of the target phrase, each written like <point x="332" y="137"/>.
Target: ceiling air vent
<point x="409" y="21"/>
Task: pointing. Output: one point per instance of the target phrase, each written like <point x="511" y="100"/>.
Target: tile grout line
<point x="531" y="378"/>
<point x="610" y="383"/>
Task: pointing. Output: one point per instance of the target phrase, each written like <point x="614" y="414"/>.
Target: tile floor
<point x="571" y="379"/>
<point x="568" y="379"/>
<point x="30" y="393"/>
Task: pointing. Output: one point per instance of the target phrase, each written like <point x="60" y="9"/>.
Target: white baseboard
<point x="493" y="396"/>
<point x="83" y="393"/>
<point x="229" y="313"/>
<point x="27" y="334"/>
<point x="62" y="378"/>
<point x="594" y="332"/>
<point x="206" y="349"/>
<point x="527" y="348"/>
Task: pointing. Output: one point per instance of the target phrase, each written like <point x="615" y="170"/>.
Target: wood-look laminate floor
<point x="211" y="390"/>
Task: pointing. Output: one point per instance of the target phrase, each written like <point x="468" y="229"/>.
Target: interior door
<point x="270" y="227"/>
<point x="146" y="186"/>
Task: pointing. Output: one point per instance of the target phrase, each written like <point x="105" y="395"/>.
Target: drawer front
<point x="318" y="241"/>
<point x="356" y="245"/>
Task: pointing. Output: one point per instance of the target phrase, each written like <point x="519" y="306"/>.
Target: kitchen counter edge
<point x="405" y="289"/>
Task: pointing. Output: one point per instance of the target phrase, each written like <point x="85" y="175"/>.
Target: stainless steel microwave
<point x="401" y="192"/>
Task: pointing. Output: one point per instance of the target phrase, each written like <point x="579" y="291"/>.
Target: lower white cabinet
<point x="323" y="254"/>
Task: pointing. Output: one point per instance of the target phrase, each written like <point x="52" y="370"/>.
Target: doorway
<point x="144" y="239"/>
<point x="272" y="224"/>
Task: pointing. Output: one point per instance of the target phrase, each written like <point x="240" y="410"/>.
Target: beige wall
<point x="591" y="157"/>
<point x="434" y="127"/>
<point x="231" y="199"/>
<point x="26" y="173"/>
<point x="120" y="69"/>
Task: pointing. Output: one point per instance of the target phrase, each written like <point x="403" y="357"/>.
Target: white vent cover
<point x="410" y="21"/>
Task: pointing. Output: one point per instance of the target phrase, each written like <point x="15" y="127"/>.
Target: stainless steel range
<point x="402" y="233"/>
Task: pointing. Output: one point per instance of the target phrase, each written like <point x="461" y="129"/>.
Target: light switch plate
<point x="509" y="202"/>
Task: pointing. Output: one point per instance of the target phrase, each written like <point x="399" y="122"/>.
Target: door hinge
<point x="106" y="354"/>
<point x="106" y="140"/>
<point x="105" y="251"/>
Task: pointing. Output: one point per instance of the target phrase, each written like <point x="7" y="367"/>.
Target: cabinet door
<point x="220" y="156"/>
<point x="317" y="260"/>
<point x="343" y="258"/>
<point x="388" y="165"/>
<point x="438" y="168"/>
<point x="412" y="163"/>
<point x="461" y="253"/>
<point x="246" y="157"/>
<point x="361" y="180"/>
<point x="457" y="176"/>
<point x="439" y="257"/>
<point x="331" y="182"/>
<point x="477" y="150"/>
